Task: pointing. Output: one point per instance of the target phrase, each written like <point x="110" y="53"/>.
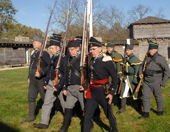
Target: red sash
<point x="88" y="94"/>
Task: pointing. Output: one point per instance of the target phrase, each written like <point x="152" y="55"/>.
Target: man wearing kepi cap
<point x="35" y="79"/>
<point x="100" y="68"/>
<point x="58" y="37"/>
<point x="51" y="95"/>
<point x="117" y="60"/>
<point x="116" y="56"/>
<point x="130" y="79"/>
<point x="155" y="76"/>
<point x="73" y="80"/>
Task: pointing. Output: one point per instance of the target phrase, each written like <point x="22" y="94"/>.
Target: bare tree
<point x="160" y="13"/>
<point x="115" y="22"/>
<point x="114" y="15"/>
<point x="138" y="12"/>
<point x="77" y="15"/>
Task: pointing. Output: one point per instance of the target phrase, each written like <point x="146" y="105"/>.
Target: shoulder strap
<point x="129" y="59"/>
<point x="70" y="65"/>
<point x="157" y="63"/>
<point x="73" y="61"/>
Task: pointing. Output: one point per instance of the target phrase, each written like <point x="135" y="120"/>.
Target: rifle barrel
<point x="44" y="41"/>
<point x="63" y="47"/>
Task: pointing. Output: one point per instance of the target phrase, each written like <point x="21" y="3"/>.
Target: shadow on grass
<point x="6" y="128"/>
<point x="155" y="111"/>
<point x="96" y="119"/>
<point x="38" y="106"/>
<point x="100" y="123"/>
<point x="135" y="104"/>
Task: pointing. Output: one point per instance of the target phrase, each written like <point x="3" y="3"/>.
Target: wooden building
<point x="16" y="52"/>
<point x="151" y="28"/>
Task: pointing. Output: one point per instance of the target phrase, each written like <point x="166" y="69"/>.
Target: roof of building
<point x="13" y="43"/>
<point x="150" y="20"/>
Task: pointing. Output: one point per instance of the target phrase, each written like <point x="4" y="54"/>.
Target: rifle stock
<point x="82" y="77"/>
<point x="144" y="67"/>
<point x="56" y="78"/>
<point x="123" y="69"/>
<point x="138" y="87"/>
<point x="38" y="67"/>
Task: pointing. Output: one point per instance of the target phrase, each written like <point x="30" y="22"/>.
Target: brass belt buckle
<point x="91" y="82"/>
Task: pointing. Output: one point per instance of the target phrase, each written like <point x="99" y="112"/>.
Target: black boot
<point x="139" y="105"/>
<point x="31" y="116"/>
<point x="145" y="115"/>
<point x="67" y="120"/>
<point x="123" y="106"/>
<point x="40" y="125"/>
<point x="159" y="113"/>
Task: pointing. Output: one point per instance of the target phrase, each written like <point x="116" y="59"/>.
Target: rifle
<point x="123" y="69"/>
<point x="88" y="9"/>
<point x="144" y="67"/>
<point x="83" y="48"/>
<point x="44" y="42"/>
<point x="63" y="47"/>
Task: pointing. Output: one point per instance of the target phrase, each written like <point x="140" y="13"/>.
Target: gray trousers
<point x="48" y="103"/>
<point x="73" y="94"/>
<point x="35" y="86"/>
<point x="152" y="85"/>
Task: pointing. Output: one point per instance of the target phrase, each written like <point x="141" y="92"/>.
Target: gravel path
<point x="12" y="68"/>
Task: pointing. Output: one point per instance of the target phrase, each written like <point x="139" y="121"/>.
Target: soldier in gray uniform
<point x="50" y="95"/>
<point x="155" y="76"/>
<point x="72" y="83"/>
<point x="35" y="79"/>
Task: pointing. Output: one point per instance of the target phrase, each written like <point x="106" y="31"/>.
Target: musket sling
<point x="70" y="64"/>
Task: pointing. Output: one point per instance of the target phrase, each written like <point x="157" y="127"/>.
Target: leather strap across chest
<point x="70" y="65"/>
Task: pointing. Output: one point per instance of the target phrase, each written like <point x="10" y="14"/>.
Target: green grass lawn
<point x="14" y="109"/>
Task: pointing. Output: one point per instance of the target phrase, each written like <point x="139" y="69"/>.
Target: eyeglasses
<point x="52" y="48"/>
<point x="92" y="49"/>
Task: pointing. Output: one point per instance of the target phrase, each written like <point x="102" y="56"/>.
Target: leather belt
<point x="129" y="74"/>
<point x="158" y="72"/>
<point x="99" y="83"/>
